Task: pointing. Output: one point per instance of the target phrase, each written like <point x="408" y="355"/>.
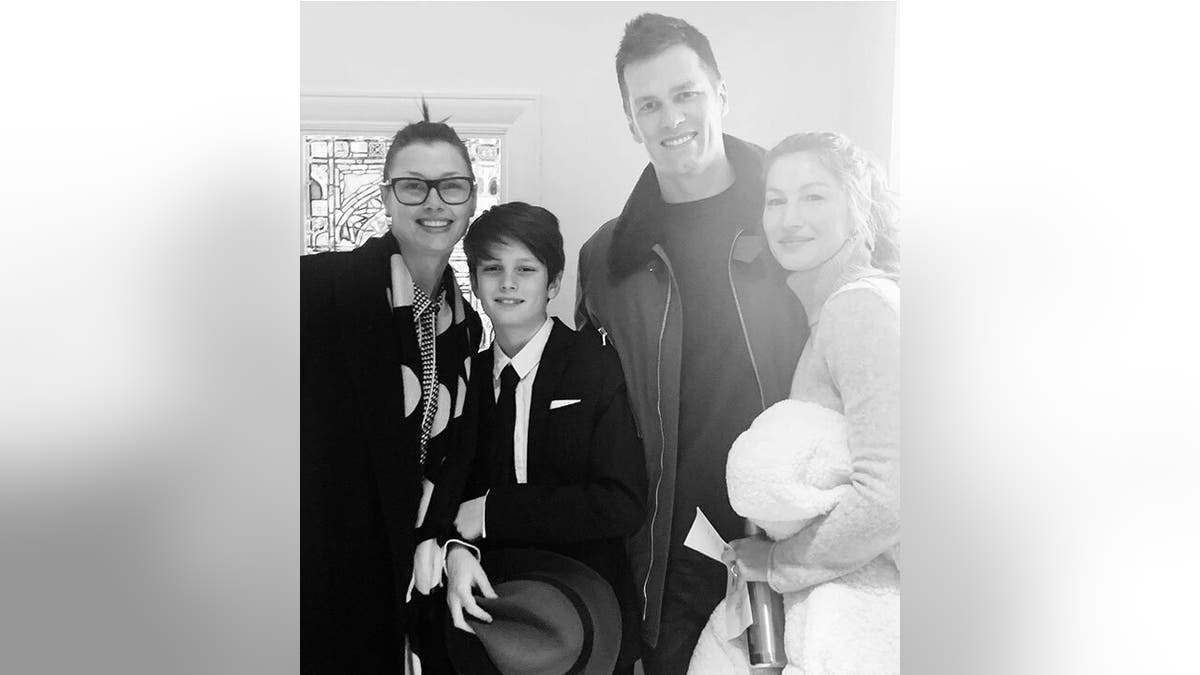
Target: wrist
<point x="459" y="545"/>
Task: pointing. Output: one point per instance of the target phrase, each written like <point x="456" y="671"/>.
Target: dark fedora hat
<point x="554" y="616"/>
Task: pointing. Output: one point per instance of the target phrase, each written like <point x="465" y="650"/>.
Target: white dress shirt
<point x="526" y="364"/>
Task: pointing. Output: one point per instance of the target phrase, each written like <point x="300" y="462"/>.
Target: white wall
<point x="789" y="67"/>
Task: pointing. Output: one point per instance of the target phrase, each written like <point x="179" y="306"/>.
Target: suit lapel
<point x="549" y="374"/>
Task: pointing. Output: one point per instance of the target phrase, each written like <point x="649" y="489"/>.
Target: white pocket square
<point x="564" y="402"/>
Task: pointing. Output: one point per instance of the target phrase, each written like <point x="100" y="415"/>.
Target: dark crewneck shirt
<point x="718" y="389"/>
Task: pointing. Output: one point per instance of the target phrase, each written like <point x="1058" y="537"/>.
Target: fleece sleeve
<point x="859" y="336"/>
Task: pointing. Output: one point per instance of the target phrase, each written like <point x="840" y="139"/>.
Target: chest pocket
<point x="568" y="437"/>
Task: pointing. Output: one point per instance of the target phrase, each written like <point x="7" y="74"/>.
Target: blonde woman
<point x="829" y="219"/>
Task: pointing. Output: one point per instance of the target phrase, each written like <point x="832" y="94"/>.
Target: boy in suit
<point x="558" y="464"/>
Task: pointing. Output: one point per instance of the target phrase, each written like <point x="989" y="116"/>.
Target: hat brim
<point x="593" y="598"/>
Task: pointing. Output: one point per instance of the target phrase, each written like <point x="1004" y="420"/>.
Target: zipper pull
<point x="603" y="336"/>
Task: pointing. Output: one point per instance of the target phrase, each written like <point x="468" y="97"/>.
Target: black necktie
<point x="503" y="421"/>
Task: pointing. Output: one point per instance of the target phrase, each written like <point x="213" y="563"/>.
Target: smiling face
<point x="674" y="110"/>
<point x="434" y="227"/>
<point x="514" y="288"/>
<point x="807" y="216"/>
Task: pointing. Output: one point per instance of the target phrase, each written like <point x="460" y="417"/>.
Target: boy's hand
<point x="465" y="573"/>
<point x="469" y="521"/>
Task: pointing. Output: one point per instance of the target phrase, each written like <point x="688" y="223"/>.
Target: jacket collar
<point x="639" y="227"/>
<point x="526" y="359"/>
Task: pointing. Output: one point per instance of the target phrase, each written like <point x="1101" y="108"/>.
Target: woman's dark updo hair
<point x="428" y="132"/>
<point x="872" y="203"/>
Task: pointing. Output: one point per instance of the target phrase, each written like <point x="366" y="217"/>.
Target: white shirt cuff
<point x="446" y="551"/>
<point x="483" y="517"/>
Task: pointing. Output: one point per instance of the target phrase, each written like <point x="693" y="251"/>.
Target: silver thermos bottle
<point x="764" y="637"/>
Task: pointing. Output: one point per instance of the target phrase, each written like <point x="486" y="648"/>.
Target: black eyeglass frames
<point x="411" y="191"/>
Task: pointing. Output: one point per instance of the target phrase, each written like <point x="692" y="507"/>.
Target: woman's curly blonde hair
<point x="872" y="204"/>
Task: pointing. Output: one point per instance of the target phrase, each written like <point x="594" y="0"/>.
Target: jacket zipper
<point x="742" y="319"/>
<point x="662" y="434"/>
<point x="658" y="378"/>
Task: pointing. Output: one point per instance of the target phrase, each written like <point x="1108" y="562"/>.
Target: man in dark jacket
<point x="684" y="287"/>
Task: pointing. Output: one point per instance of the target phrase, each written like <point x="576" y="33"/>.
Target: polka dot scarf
<point x="435" y="338"/>
<point x="425" y="311"/>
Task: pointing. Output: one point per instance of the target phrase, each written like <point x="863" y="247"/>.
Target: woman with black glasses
<point x="385" y="337"/>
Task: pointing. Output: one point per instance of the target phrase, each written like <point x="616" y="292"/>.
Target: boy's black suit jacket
<point x="586" y="476"/>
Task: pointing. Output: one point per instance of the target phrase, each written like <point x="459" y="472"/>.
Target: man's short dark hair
<point x="649" y="35"/>
<point x="531" y="226"/>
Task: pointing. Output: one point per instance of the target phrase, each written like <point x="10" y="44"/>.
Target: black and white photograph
<point x="424" y="337"/>
<point x="612" y="286"/>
